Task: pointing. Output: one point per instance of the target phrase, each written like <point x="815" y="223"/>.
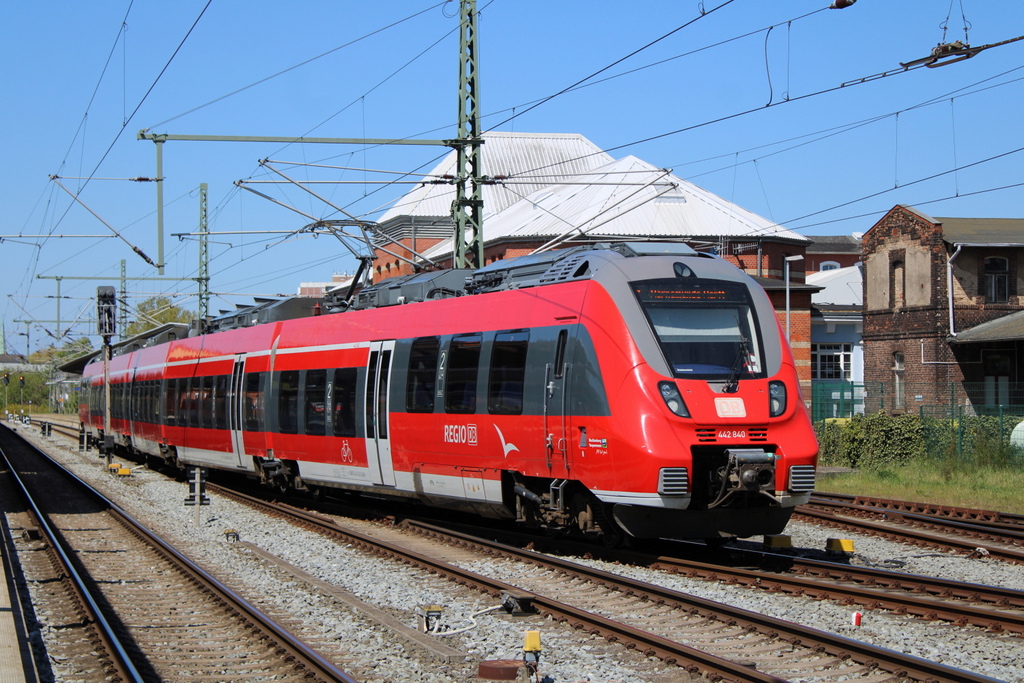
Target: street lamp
<point x="786" y="262"/>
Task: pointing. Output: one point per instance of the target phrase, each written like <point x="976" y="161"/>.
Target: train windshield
<point x="707" y="329"/>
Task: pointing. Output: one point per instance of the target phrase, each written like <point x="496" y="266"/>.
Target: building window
<point x="832" y="361"/>
<point x="828" y="265"/>
<point x="898" y="388"/>
<point x="996" y="280"/>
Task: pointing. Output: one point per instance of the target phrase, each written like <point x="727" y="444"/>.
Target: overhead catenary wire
<point x="138" y="106"/>
<point x="343" y="204"/>
<point x="297" y="66"/>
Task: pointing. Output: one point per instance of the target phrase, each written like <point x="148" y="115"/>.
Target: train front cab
<point x="722" y="445"/>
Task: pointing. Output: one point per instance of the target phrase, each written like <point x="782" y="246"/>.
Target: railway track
<point x="991" y="534"/>
<point x="983" y="518"/>
<point x="891" y="590"/>
<point x="1000" y="610"/>
<point x="127" y="602"/>
<point x="706" y="638"/>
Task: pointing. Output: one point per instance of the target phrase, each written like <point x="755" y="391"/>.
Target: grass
<point x="986" y="487"/>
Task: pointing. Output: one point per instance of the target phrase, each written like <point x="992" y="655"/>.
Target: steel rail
<point x="677" y="653"/>
<point x="977" y="515"/>
<point x="123" y="667"/>
<point x="900" y="592"/>
<point x="301" y="654"/>
<point x="863" y="653"/>
<point x="910" y="534"/>
<point x="978" y="522"/>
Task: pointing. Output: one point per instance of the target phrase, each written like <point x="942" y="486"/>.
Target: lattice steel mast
<point x="467" y="209"/>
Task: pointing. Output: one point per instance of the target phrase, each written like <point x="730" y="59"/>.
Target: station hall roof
<point x="617" y="199"/>
<point x="529" y="161"/>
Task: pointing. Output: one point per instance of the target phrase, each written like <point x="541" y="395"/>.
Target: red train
<point x="639" y="387"/>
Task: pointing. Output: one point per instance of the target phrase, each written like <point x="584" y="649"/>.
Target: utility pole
<point x="122" y="312"/>
<point x="204" y="262"/>
<point x="58" y="309"/>
<point x="467" y="209"/>
<point x="160" y="207"/>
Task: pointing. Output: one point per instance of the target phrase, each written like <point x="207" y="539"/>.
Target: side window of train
<point x="220" y="402"/>
<point x="508" y="373"/>
<point x="460" y="378"/>
<point x="206" y="402"/>
<point x="252" y="403"/>
<point x="313" y="397"/>
<point x="288" y="402"/>
<point x="343" y="402"/>
<point x="192" y="400"/>
<point x="170" y="402"/>
<point x="419" y="389"/>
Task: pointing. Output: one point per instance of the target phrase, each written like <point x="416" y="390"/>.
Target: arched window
<point x="828" y="265"/>
<point x="996" y="280"/>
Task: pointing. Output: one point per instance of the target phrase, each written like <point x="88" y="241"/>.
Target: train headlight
<point x="777" y="398"/>
<point x="673" y="399"/>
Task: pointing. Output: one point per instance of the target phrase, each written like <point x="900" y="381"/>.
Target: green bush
<point x="871" y="441"/>
<point x="840" y="441"/>
<point x="879" y="441"/>
<point x="891" y="440"/>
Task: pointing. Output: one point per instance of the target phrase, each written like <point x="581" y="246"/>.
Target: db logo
<point x="730" y="407"/>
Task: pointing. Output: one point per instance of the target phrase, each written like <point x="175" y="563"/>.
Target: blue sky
<point x="744" y="101"/>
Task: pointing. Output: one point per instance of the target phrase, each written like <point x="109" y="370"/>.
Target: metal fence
<point x="945" y="399"/>
<point x="961" y="418"/>
<point x="839" y="399"/>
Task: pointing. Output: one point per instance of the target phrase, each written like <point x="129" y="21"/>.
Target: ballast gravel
<point x="374" y="654"/>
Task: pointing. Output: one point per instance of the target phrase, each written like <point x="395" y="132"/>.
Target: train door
<point x="556" y="400"/>
<point x="378" y="382"/>
<point x="236" y="403"/>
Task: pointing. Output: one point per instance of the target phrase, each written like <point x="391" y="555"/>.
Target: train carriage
<point x="639" y="388"/>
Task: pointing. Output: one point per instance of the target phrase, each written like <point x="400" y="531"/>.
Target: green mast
<point x="467" y="209"/>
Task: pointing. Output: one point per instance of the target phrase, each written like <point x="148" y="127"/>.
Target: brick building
<point x="944" y="311"/>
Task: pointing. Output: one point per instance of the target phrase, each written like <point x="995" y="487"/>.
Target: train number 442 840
<point x="732" y="434"/>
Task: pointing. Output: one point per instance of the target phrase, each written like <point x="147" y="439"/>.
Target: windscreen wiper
<point x="742" y="356"/>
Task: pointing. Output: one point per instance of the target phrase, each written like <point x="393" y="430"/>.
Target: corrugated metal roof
<point x="1006" y="328"/>
<point x="531" y="161"/>
<point x="625" y="198"/>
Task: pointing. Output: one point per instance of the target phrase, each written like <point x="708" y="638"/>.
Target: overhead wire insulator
<point x="841" y="4"/>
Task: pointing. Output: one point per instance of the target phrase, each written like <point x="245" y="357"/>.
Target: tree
<point x="45" y="388"/>
<point x="54" y="356"/>
<point x="154" y="312"/>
